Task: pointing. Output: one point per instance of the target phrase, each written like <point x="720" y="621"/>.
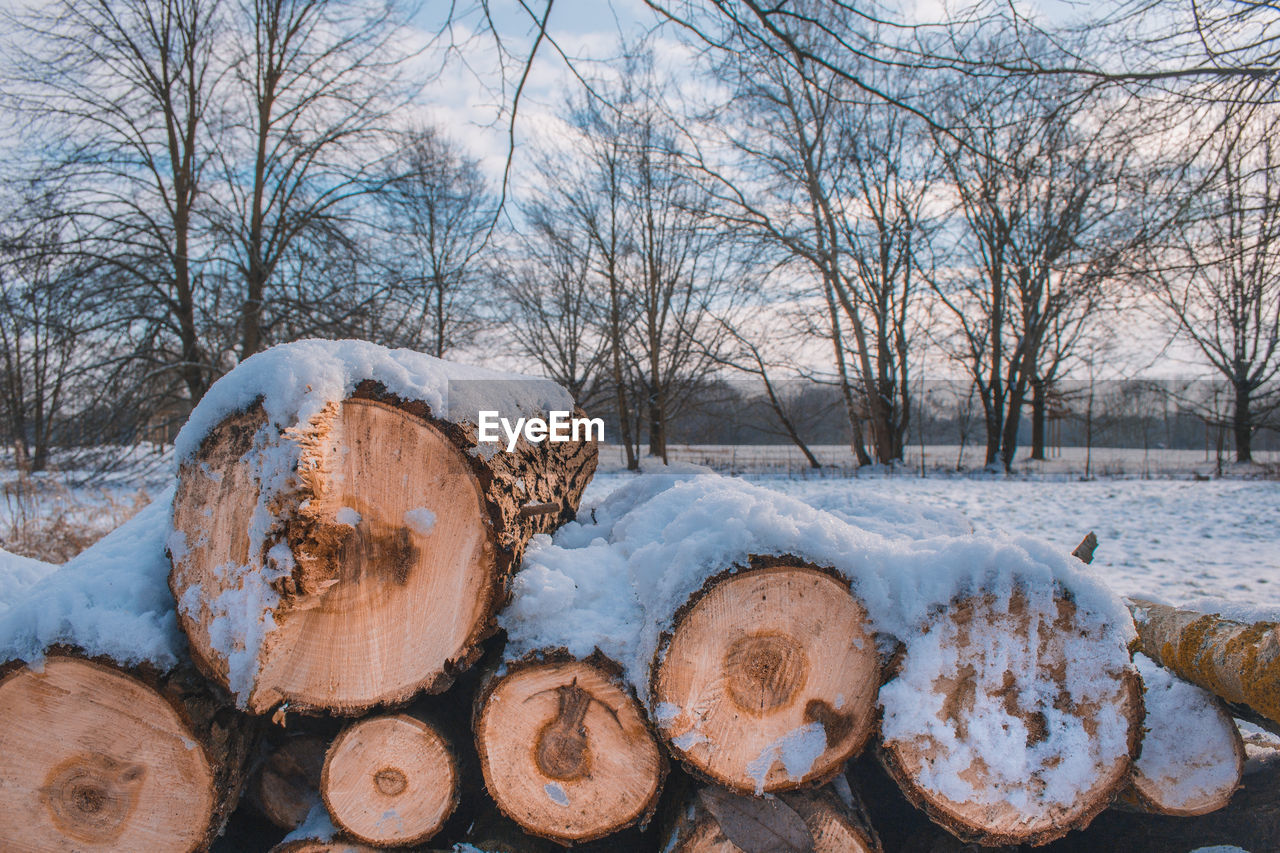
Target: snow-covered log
<point x="767" y="679"/>
<point x="286" y="785"/>
<point x="1012" y="719"/>
<point x="390" y="780"/>
<point x="1235" y="661"/>
<point x="1192" y="754"/>
<point x="714" y="820"/>
<point x="108" y="739"/>
<point x="565" y="748"/>
<point x="341" y="537"/>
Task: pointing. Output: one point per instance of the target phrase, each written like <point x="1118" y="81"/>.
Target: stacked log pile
<point x="703" y="667"/>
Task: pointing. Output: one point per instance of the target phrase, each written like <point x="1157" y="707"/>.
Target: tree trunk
<point x="387" y="558"/>
<point x="1016" y="687"/>
<point x="713" y="820"/>
<point x="390" y="780"/>
<point x="1039" y="405"/>
<point x="1238" y="663"/>
<point x="1242" y="424"/>
<point x="97" y="756"/>
<point x="767" y="680"/>
<point x="1192" y="755"/>
<point x="287" y="785"/>
<point x="565" y="748"/>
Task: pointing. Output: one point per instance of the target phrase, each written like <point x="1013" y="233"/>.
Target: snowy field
<point x="1169" y="540"/>
<point x="1172" y="538"/>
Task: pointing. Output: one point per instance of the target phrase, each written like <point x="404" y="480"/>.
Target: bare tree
<point x="121" y="93"/>
<point x="438" y="215"/>
<point x="312" y="90"/>
<point x="1217" y="273"/>
<point x="1033" y="177"/>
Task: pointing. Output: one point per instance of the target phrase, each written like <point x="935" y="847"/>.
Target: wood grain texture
<point x="757" y="660"/>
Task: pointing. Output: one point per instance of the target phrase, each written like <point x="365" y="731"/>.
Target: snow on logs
<point x="1192" y="755"/>
<point x="107" y="740"/>
<point x="1008" y="720"/>
<point x="1013" y="711"/>
<point x="767" y="680"/>
<point x="565" y="749"/>
<point x="341" y="539"/>
<point x="390" y="780"/>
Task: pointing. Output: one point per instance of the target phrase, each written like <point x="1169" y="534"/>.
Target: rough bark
<point x="565" y="748"/>
<point x="763" y="662"/>
<point x="94" y="755"/>
<point x="390" y="780"/>
<point x="1239" y="663"/>
<point x="375" y="600"/>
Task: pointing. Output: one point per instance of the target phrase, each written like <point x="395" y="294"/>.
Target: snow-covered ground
<point x="1168" y="540"/>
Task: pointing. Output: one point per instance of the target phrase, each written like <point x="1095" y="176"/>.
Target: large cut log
<point x="1013" y="717"/>
<point x="96" y="756"/>
<point x="356" y="556"/>
<point x="390" y="780"/>
<point x="1192" y="754"/>
<point x="767" y="680"/>
<point x="1238" y="662"/>
<point x="565" y="748"/>
<point x="819" y="821"/>
<point x="287" y="784"/>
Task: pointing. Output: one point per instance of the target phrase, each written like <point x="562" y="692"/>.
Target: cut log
<point x="310" y="845"/>
<point x="1013" y="718"/>
<point x="96" y="757"/>
<point x="390" y="780"/>
<point x="1239" y="663"/>
<point x="768" y="678"/>
<point x="287" y="785"/>
<point x="359" y="559"/>
<point x="1192" y="754"/>
<point x="494" y="832"/>
<point x="565" y="749"/>
<point x="817" y="821"/>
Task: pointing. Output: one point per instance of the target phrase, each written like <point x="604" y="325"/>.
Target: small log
<point x="97" y="756"/>
<point x="1237" y="662"/>
<point x="287" y="785"/>
<point x="1192" y="754"/>
<point x="565" y="749"/>
<point x="818" y="821"/>
<point x="1009" y="720"/>
<point x="312" y="845"/>
<point x="370" y="567"/>
<point x="390" y="780"/>
<point x="494" y="832"/>
<point x="767" y="680"/>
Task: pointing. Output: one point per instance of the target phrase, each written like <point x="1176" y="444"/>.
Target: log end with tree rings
<point x="92" y="758"/>
<point x="372" y="577"/>
<point x="767" y="680"/>
<point x="1013" y="717"/>
<point x="1192" y="753"/>
<point x="390" y="780"/>
<point x="566" y="751"/>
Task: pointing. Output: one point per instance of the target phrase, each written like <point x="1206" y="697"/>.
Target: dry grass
<point x="46" y="520"/>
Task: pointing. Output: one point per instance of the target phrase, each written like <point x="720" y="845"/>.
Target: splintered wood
<point x="768" y="679"/>
<point x="566" y="751"/>
<point x="376" y="569"/>
<point x="817" y="821"/>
